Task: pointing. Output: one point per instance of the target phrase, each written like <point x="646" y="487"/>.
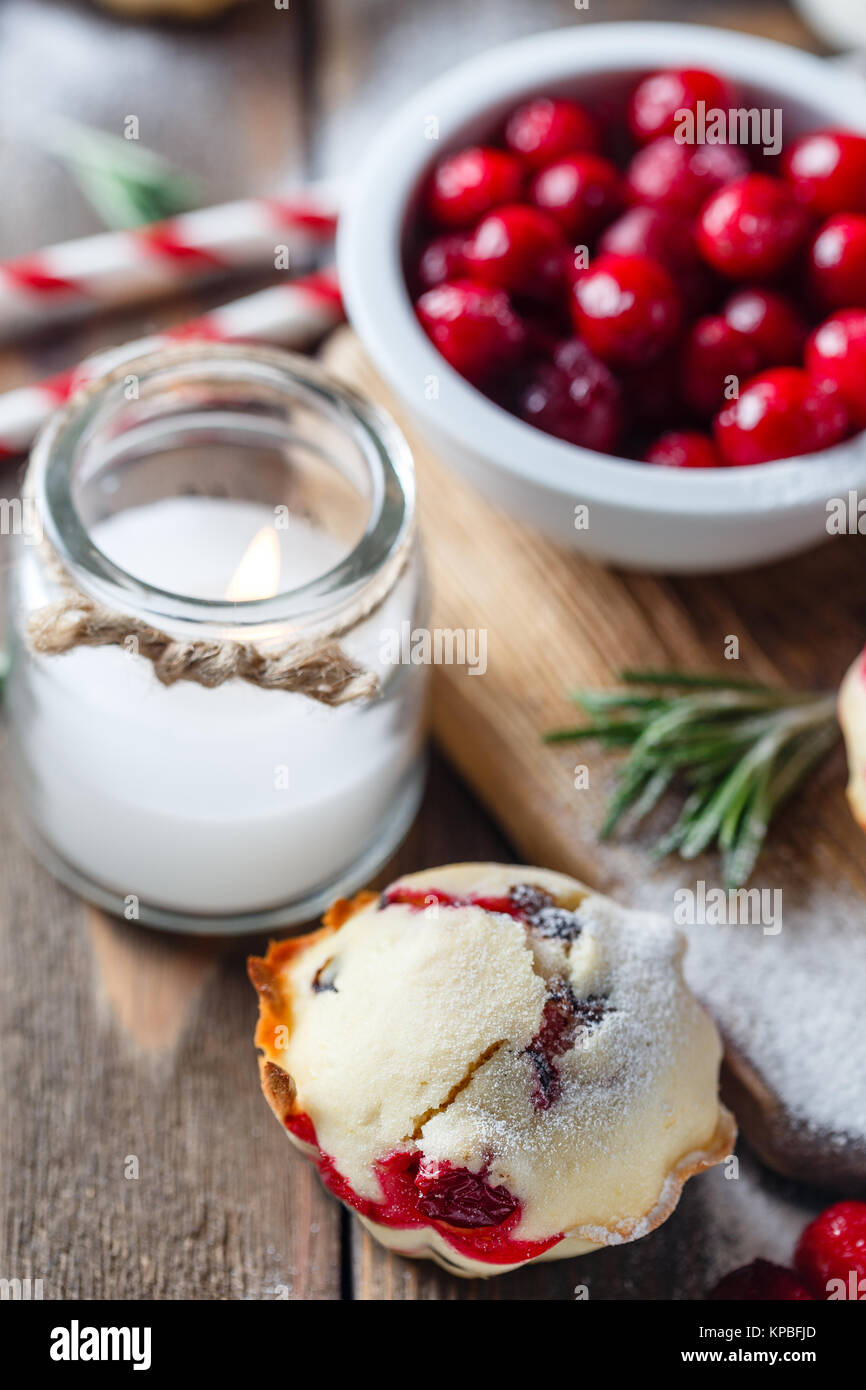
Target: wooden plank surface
<point x="122" y="1043"/>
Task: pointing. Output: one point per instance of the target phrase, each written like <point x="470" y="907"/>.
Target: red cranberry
<point x="627" y="309"/>
<point x="682" y="177"/>
<point x="519" y="249"/>
<point x="468" y="184"/>
<point x="527" y="900"/>
<point x="827" y="170"/>
<point x="582" y="191"/>
<point x="837" y="261"/>
<point x="712" y="352"/>
<point x="545" y="129"/>
<point x="563" y="1018"/>
<point x="759" y="1282"/>
<point x="654" y="393"/>
<point x="460" y="1197"/>
<point x="535" y="906"/>
<point x="833" y="1247"/>
<point x="683" y="449"/>
<point x="770" y="323"/>
<point x="442" y="259"/>
<point x="558" y="1021"/>
<point x="545" y="325"/>
<point x="664" y="237"/>
<point x="658" y="100"/>
<point x="575" y="398"/>
<point x="646" y="231"/>
<point x="836" y="359"/>
<point x="779" y="414"/>
<point x="473" y="326"/>
<point x="752" y="227"/>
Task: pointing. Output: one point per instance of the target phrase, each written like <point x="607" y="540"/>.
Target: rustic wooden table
<point x="121" y="1042"/>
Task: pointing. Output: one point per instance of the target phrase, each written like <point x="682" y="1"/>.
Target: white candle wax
<point x="195" y="545"/>
<point x="211" y="801"/>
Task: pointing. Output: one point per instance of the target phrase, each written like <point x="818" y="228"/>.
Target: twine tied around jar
<point x="315" y="665"/>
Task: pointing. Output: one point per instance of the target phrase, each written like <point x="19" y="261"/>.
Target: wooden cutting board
<point x="790" y="1004"/>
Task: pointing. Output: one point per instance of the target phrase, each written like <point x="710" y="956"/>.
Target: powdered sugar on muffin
<point x="491" y="1064"/>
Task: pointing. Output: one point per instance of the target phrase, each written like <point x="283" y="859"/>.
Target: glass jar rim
<point x="381" y="444"/>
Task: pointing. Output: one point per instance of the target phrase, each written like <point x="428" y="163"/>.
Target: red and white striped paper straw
<point x="114" y="268"/>
<point x="294" y="315"/>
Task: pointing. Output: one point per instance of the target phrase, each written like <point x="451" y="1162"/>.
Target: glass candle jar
<point x="231" y="501"/>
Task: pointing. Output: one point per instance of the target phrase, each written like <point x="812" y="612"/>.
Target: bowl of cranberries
<point x="617" y="275"/>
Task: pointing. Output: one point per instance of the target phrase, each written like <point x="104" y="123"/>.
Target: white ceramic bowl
<point x="639" y="516"/>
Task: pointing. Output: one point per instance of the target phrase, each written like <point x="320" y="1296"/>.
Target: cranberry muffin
<point x="492" y="1065"/>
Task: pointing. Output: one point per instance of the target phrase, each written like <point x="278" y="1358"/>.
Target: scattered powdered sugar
<point x="791" y="1003"/>
<point x="748" y="1217"/>
<point x="794" y="1005"/>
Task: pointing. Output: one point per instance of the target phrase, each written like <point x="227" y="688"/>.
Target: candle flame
<point x="258" y="574"/>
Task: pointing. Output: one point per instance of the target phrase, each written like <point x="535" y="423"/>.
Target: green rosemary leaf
<point x="673" y="838"/>
<point x="699" y="753"/>
<point x="711" y="769"/>
<point x="737" y="749"/>
<point x="708" y="824"/>
<point x="734" y="815"/>
<point x="652" y="793"/>
<point x="630" y="784"/>
<point x="125" y="183"/>
<point x="111" y="198"/>
<point x="617" y="738"/>
<point x="685" y="678"/>
<point x="810" y="749"/>
<point x="728" y="723"/>
<point x="673" y="717"/>
<point x="594" y="701"/>
<point x="738" y="864"/>
<point x="601" y="728"/>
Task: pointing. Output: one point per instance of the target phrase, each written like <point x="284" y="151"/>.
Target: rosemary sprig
<point x="125" y="183"/>
<point x="737" y="749"/>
